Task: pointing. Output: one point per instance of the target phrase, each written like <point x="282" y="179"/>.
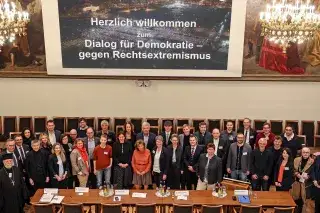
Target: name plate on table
<point x="81" y="189"/>
<point x="139" y="195"/>
<point x="182" y="197"/>
<point x="50" y="191"/>
<point x="181" y="193"/>
<point x="121" y="192"/>
<point x="241" y="192"/>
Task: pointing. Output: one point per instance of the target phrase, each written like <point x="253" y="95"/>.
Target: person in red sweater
<point x="102" y="160"/>
<point x="267" y="134"/>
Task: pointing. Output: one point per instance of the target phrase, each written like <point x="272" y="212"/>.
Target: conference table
<point x="196" y="198"/>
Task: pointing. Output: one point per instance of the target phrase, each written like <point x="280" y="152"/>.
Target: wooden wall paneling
<point x="1" y="125"/>
<point x="119" y="124"/>
<point x="302" y="139"/>
<point x="318" y="128"/>
<point x="90" y="121"/>
<point x="224" y="124"/>
<point x="308" y="129"/>
<point x="39" y="124"/>
<point x="137" y="123"/>
<point x="239" y="124"/>
<point x="295" y="125"/>
<point x="316" y="142"/>
<point x="214" y="124"/>
<point x="72" y="123"/>
<point x="276" y="126"/>
<point x="179" y="124"/>
<point x="195" y="123"/>
<point x="10" y="124"/>
<point x="167" y="119"/>
<point x="60" y="123"/>
<point x="98" y="123"/>
<point x="258" y="124"/>
<point x="154" y="125"/>
<point x="25" y="122"/>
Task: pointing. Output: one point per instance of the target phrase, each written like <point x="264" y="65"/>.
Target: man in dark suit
<point x="82" y="129"/>
<point x="111" y="136"/>
<point x="10" y="148"/>
<point x="166" y="135"/>
<point x="221" y="148"/>
<point x="90" y="142"/>
<point x="191" y="158"/>
<point x="53" y="134"/>
<point x="204" y="137"/>
<point x="148" y="137"/>
<point x="249" y="133"/>
<point x="21" y="149"/>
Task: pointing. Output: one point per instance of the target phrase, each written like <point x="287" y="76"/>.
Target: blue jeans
<point x="238" y="175"/>
<point x="107" y="175"/>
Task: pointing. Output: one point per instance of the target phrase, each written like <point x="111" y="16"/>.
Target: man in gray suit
<point x="90" y="142"/>
<point x="238" y="163"/>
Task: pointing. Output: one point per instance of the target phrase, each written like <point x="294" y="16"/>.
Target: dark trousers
<point x="59" y="184"/>
<point x="183" y="180"/>
<point x="38" y="184"/>
<point x="92" y="179"/>
<point x="174" y="176"/>
<point x="259" y="183"/>
<point x="192" y="179"/>
<point x="317" y="205"/>
<point x="157" y="178"/>
<point x="74" y="179"/>
<point x="299" y="206"/>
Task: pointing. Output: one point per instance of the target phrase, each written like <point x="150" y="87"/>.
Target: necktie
<point x="15" y="162"/>
<point x="23" y="156"/>
<point x="167" y="138"/>
<point x="192" y="153"/>
<point x="246" y="135"/>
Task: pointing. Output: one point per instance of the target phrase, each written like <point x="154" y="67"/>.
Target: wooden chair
<point x="111" y="208"/>
<point x="146" y="208"/>
<point x="74" y="208"/>
<point x="177" y="208"/>
<point x="44" y="208"/>
<point x="249" y="209"/>
<point x="284" y="209"/>
<point x="211" y="209"/>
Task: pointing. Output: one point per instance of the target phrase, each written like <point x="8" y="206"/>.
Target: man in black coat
<point x="53" y="134"/>
<point x="166" y="135"/>
<point x="148" y="137"/>
<point x="249" y="133"/>
<point x="13" y="192"/>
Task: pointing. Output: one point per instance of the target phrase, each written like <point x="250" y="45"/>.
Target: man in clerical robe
<point x="13" y="192"/>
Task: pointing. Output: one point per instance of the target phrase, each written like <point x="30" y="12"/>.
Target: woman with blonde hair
<point x="80" y="162"/>
<point x="141" y="165"/>
<point x="58" y="167"/>
<point x="45" y="144"/>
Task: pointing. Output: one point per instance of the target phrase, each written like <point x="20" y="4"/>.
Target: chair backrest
<point x="43" y="208"/>
<point x="212" y="209"/>
<point x="72" y="208"/>
<point x="284" y="209"/>
<point x="146" y="208"/>
<point x="182" y="208"/>
<point x="111" y="208"/>
<point x="250" y="209"/>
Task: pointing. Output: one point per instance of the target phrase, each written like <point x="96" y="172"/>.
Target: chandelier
<point x="12" y="21"/>
<point x="284" y="22"/>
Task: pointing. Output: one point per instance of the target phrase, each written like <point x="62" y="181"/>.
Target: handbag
<point x="295" y="191"/>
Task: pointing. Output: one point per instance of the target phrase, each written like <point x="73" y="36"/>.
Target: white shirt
<point x="216" y="144"/>
<point x="52" y="138"/>
<point x="91" y="146"/>
<point x="289" y="138"/>
<point x="156" y="163"/>
<point x="146" y="139"/>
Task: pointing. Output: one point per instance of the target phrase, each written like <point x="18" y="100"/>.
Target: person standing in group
<point x="90" y="143"/>
<point x="53" y="134"/>
<point x="315" y="175"/>
<point x="203" y="135"/>
<point x="290" y="140"/>
<point x="36" y="166"/>
<point x="261" y="166"/>
<point x="102" y="161"/>
<point x="80" y="162"/>
<point x="276" y="151"/>
<point x="27" y="136"/>
<point x="249" y="133"/>
<point x="122" y="155"/>
<point x="184" y="140"/>
<point x="167" y="133"/>
<point x="146" y="136"/>
<point x="160" y="161"/>
<point x="129" y="134"/>
<point x="67" y="147"/>
<point x="82" y="129"/>
<point x="176" y="163"/>
<point x="105" y="131"/>
<point x="283" y="175"/>
<point x="267" y="134"/>
<point x="58" y="168"/>
<point x="209" y="169"/>
<point x="141" y="165"/>
<point x="13" y="192"/>
<point x="239" y="159"/>
<point x="229" y="135"/>
<point x="45" y="144"/>
<point x="191" y="158"/>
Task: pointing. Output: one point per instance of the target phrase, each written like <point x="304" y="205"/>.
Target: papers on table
<point x="57" y="199"/>
<point x="241" y="192"/>
<point x="50" y="191"/>
<point x="182" y="197"/>
<point x="121" y="192"/>
<point x="81" y="189"/>
<point x="178" y="193"/>
<point x="139" y="195"/>
<point x="46" y="198"/>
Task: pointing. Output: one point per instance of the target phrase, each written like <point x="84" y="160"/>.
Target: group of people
<point x="145" y="160"/>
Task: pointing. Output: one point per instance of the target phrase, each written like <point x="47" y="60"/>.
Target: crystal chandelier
<point x="284" y="22"/>
<point x="12" y="21"/>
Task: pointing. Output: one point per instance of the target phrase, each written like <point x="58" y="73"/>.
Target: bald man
<point x="73" y="135"/>
<point x="261" y="166"/>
